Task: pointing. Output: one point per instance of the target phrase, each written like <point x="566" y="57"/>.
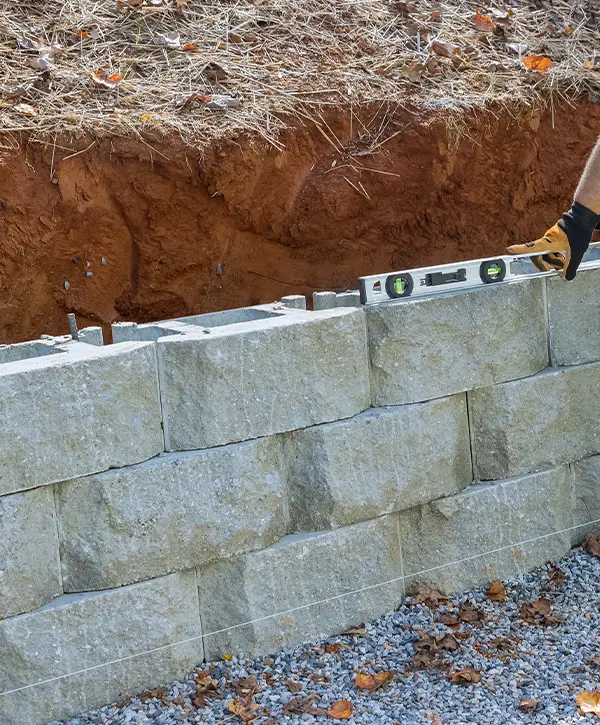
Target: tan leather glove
<point x="562" y="247"/>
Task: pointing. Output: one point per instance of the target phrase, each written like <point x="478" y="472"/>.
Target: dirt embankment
<point x="248" y="223"/>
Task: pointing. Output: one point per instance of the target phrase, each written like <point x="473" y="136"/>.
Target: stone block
<point x="574" y="318"/>
<point x="351" y="298"/>
<point x="170" y="514"/>
<point x="535" y="423"/>
<point x="266" y="376"/>
<point x="383" y="460"/>
<point x="301" y="571"/>
<point x="429" y="347"/>
<point x="324" y="300"/>
<point x="488" y="531"/>
<point x="76" y="413"/>
<point x="586" y="497"/>
<point x="29" y="565"/>
<point x="294" y="302"/>
<point x="94" y="631"/>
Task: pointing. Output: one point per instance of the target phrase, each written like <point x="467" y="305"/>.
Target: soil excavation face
<point x="148" y="231"/>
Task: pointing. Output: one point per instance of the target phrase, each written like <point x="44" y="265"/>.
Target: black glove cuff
<point x="580" y="215"/>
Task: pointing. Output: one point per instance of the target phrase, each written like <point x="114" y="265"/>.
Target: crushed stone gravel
<point x="550" y="664"/>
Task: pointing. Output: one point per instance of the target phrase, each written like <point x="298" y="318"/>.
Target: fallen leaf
<point x="449" y="620"/>
<point x="428" y="595"/>
<point x="359" y="631"/>
<point x="365" y="681"/>
<point x="228" y="657"/>
<point x="245" y="686"/>
<point x="556" y="576"/>
<point x="171" y="40"/>
<point x="538" y="63"/>
<point x="405" y="7"/>
<point x="447" y="50"/>
<point x="413" y="71"/>
<point x="595" y="660"/>
<point x="190" y="47"/>
<point x="26" y="109"/>
<point x="146" y="117"/>
<point x="245" y="708"/>
<point x="340" y="710"/>
<point x="529" y="703"/>
<point x="153" y="694"/>
<point x="484" y="22"/>
<point x="110" y="81"/>
<point x="436" y="16"/>
<point x="539" y="612"/>
<point x="589" y="702"/>
<point x="82" y="33"/>
<point x="294" y="686"/>
<point x="333" y="648"/>
<point x="504" y="643"/>
<point x="462" y="677"/>
<point x="497" y="592"/>
<point x="591" y="544"/>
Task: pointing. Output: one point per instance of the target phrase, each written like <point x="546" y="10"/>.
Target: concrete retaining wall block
<point x="77" y="412"/>
<point x="426" y="348"/>
<point x="586" y="497"/>
<point x="574" y="318"/>
<point x="170" y="514"/>
<point x="300" y="570"/>
<point x="535" y="423"/>
<point x="380" y="461"/>
<point x="29" y="566"/>
<point x="80" y="631"/>
<point x="484" y="518"/>
<point x="262" y="377"/>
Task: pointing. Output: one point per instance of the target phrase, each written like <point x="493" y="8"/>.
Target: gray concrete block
<point x="88" y="631"/>
<point x="294" y="302"/>
<point x="426" y="348"/>
<point x="351" y="298"/>
<point x="574" y="318"/>
<point x="170" y="514"/>
<point x="301" y="570"/>
<point x="92" y="336"/>
<point x="29" y="565"/>
<point x="535" y="423"/>
<point x="586" y="497"/>
<point x="77" y="412"/>
<point x="383" y="460"/>
<point x="258" y="378"/>
<point x="324" y="300"/>
<point x="486" y="531"/>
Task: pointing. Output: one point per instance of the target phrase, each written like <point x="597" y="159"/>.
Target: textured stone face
<point x="302" y="569"/>
<point x="81" y="631"/>
<point x="71" y="414"/>
<point x="574" y="318"/>
<point x="258" y="378"/>
<point x="430" y="347"/>
<point x="29" y="566"/>
<point x="535" y="423"/>
<point x="486" y="524"/>
<point x="380" y="461"/>
<point x="586" y="497"/>
<point x="170" y="513"/>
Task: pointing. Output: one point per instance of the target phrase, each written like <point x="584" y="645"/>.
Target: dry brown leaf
<point x="595" y="660"/>
<point x="405" y="7"/>
<point x="462" y="677"/>
<point x="470" y="614"/>
<point x="359" y="631"/>
<point x="449" y="620"/>
<point x="484" y="22"/>
<point x="366" y="681"/>
<point x="332" y="648"/>
<point x="529" y="703"/>
<point x="497" y="592"/>
<point x="591" y="544"/>
<point x="26" y="109"/>
<point x="446" y="50"/>
<point x="435" y="16"/>
<point x="538" y="63"/>
<point x="340" y="710"/>
<point x="228" y="657"/>
<point x="245" y="686"/>
<point x="589" y="702"/>
<point x="190" y="47"/>
<point x="539" y="612"/>
<point x="304" y="705"/>
<point x="153" y="694"/>
<point x="106" y="81"/>
<point x="244" y="707"/>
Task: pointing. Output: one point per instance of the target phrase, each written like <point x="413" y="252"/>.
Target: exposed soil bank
<point x="272" y="222"/>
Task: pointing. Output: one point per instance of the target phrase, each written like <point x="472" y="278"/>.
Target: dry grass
<point x="278" y="57"/>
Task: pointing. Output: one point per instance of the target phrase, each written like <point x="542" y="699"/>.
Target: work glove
<point x="562" y="247"/>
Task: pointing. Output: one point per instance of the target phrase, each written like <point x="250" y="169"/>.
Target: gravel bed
<point x="548" y="662"/>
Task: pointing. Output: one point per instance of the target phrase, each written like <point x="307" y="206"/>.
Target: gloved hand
<point x="562" y="247"/>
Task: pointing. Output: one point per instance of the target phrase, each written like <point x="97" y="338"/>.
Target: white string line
<point x="297" y="609"/>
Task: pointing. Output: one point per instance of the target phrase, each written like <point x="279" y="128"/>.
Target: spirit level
<point x="464" y="275"/>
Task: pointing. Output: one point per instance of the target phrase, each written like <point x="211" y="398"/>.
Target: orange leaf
<point x="190" y="47"/>
<point x="589" y="702"/>
<point x="484" y="22"/>
<point x="537" y="62"/>
<point x="112" y="81"/>
<point x="82" y="33"/>
<point x="365" y="681"/>
<point x="26" y="109"/>
<point x="340" y="710"/>
<point x="497" y="592"/>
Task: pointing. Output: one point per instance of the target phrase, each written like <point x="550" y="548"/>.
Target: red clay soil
<point x="273" y="222"/>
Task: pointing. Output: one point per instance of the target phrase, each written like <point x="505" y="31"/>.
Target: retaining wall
<point x="273" y="475"/>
